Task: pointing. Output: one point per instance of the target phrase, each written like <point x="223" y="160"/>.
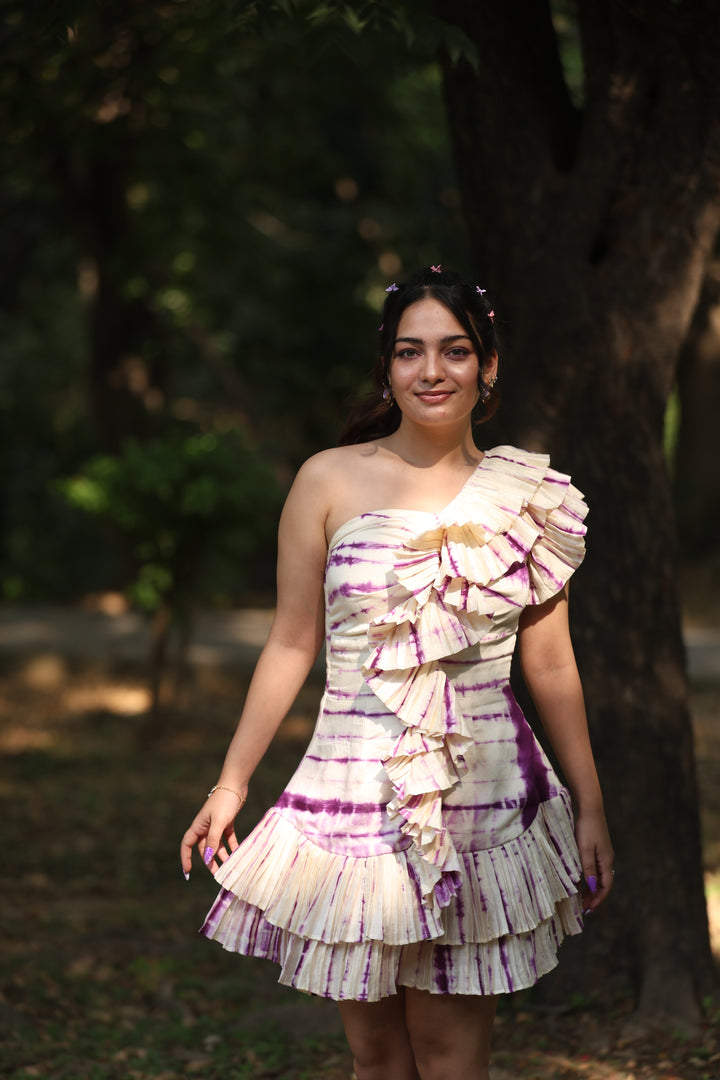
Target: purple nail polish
<point x="208" y="856"/>
<point x="186" y="875"/>
<point x="592" y="883"/>
<point x="588" y="911"/>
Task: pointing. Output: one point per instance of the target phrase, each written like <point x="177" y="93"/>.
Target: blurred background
<point x="198" y="230"/>
<point x="198" y="233"/>
<point x="202" y="207"/>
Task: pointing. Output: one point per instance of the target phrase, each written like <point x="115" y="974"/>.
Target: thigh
<point x="378" y="1038"/>
<point x="449" y="1033"/>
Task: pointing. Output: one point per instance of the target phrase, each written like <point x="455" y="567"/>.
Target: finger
<point x="210" y="852"/>
<point x="604" y="886"/>
<point x="590" y="870"/>
<point x="590" y="874"/>
<point x="186" y="845"/>
<point x="231" y="839"/>
<point x="225" y="848"/>
<point x="186" y="859"/>
<point x="606" y="878"/>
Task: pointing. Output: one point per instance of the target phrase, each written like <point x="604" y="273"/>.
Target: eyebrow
<point x="443" y="341"/>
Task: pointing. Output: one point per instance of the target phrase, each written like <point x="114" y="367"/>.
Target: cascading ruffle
<point x="524" y="512"/>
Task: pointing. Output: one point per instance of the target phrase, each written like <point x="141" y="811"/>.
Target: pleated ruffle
<point x="346" y="927"/>
<point x="513" y="510"/>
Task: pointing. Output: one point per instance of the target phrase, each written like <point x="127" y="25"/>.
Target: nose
<point x="431" y="370"/>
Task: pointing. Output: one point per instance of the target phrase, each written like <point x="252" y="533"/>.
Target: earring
<point x="387" y="396"/>
<point x="486" y="387"/>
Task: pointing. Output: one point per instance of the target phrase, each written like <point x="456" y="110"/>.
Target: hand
<point x="214" y="824"/>
<point x="596" y="855"/>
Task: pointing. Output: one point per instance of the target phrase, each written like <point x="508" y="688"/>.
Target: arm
<point x="293" y="644"/>
<point x="551" y="676"/>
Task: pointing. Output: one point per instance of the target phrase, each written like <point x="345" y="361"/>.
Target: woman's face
<point x="434" y="367"/>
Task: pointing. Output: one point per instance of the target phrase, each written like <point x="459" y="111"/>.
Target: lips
<point x="435" y="396"/>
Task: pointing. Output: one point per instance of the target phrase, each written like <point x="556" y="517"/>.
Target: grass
<point x="102" y="972"/>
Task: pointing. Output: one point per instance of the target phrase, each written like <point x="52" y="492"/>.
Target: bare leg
<point x="450" y="1034"/>
<point x="378" y="1039"/>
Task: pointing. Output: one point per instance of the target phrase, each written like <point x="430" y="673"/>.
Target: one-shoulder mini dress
<point x="424" y="840"/>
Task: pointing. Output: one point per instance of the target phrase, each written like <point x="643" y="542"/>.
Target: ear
<point x="490" y="367"/>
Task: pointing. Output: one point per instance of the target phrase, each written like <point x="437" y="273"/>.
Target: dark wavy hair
<point x="373" y="418"/>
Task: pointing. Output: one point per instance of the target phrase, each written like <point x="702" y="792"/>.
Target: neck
<point x="427" y="447"/>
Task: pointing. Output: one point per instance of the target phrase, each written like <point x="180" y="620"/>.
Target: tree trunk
<point x="696" y="475"/>
<point x="94" y="170"/>
<point x="593" y="229"/>
<point x="127" y="357"/>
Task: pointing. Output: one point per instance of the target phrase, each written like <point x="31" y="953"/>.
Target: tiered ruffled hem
<point x="354" y="928"/>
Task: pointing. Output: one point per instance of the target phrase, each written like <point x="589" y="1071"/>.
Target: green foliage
<point x="205" y="203"/>
<point x="671" y="427"/>
<point x="179" y="502"/>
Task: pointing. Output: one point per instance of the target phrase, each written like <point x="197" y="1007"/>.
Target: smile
<point x="434" y="396"/>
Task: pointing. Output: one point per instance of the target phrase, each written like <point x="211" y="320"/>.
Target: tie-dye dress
<point x="424" y="839"/>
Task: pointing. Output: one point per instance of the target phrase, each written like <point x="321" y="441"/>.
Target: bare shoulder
<point x="336" y="483"/>
<point x="320" y="483"/>
<point x="331" y="470"/>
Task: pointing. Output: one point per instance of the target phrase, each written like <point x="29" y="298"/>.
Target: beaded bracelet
<point x="221" y="787"/>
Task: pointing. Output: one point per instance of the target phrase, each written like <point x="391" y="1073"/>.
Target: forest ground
<point x="103" y="974"/>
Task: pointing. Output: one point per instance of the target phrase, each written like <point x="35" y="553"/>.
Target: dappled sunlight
<point x="17" y="739"/>
<point x="42" y="703"/>
<point x="589" y="1044"/>
<point x="712" y="894"/>
<point x="100" y="863"/>
<point x="45" y="671"/>
<point x="120" y="699"/>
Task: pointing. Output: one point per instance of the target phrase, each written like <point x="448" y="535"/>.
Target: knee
<point x="381" y="1051"/>
<point x="444" y="1054"/>
<point x="370" y="1049"/>
<point x="381" y="1055"/>
<point x="431" y="1051"/>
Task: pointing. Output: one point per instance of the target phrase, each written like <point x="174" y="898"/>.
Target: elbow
<point x="306" y="646"/>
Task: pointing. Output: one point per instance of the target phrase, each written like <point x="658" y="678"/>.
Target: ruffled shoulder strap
<point x="555" y="510"/>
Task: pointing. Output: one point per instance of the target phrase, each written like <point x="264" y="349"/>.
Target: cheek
<point x="473" y="379"/>
<point x="398" y="374"/>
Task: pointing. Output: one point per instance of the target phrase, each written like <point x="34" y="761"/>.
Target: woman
<point x="422" y="859"/>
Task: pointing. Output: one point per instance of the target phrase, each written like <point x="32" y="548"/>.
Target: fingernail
<point x="186" y="875"/>
<point x="592" y="883"/>
<point x="208" y="857"/>
<point x="588" y="911"/>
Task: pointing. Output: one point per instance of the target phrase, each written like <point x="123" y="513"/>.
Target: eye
<point x="457" y="352"/>
<point x="407" y="354"/>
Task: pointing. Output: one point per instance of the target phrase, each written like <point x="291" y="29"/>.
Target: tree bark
<point x="93" y="170"/>
<point x="696" y="476"/>
<point x="592" y="229"/>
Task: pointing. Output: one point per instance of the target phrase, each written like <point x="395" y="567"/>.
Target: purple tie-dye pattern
<point x="534" y="766"/>
<point x="328" y="806"/>
<point x="328" y="884"/>
<point x="442" y="964"/>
